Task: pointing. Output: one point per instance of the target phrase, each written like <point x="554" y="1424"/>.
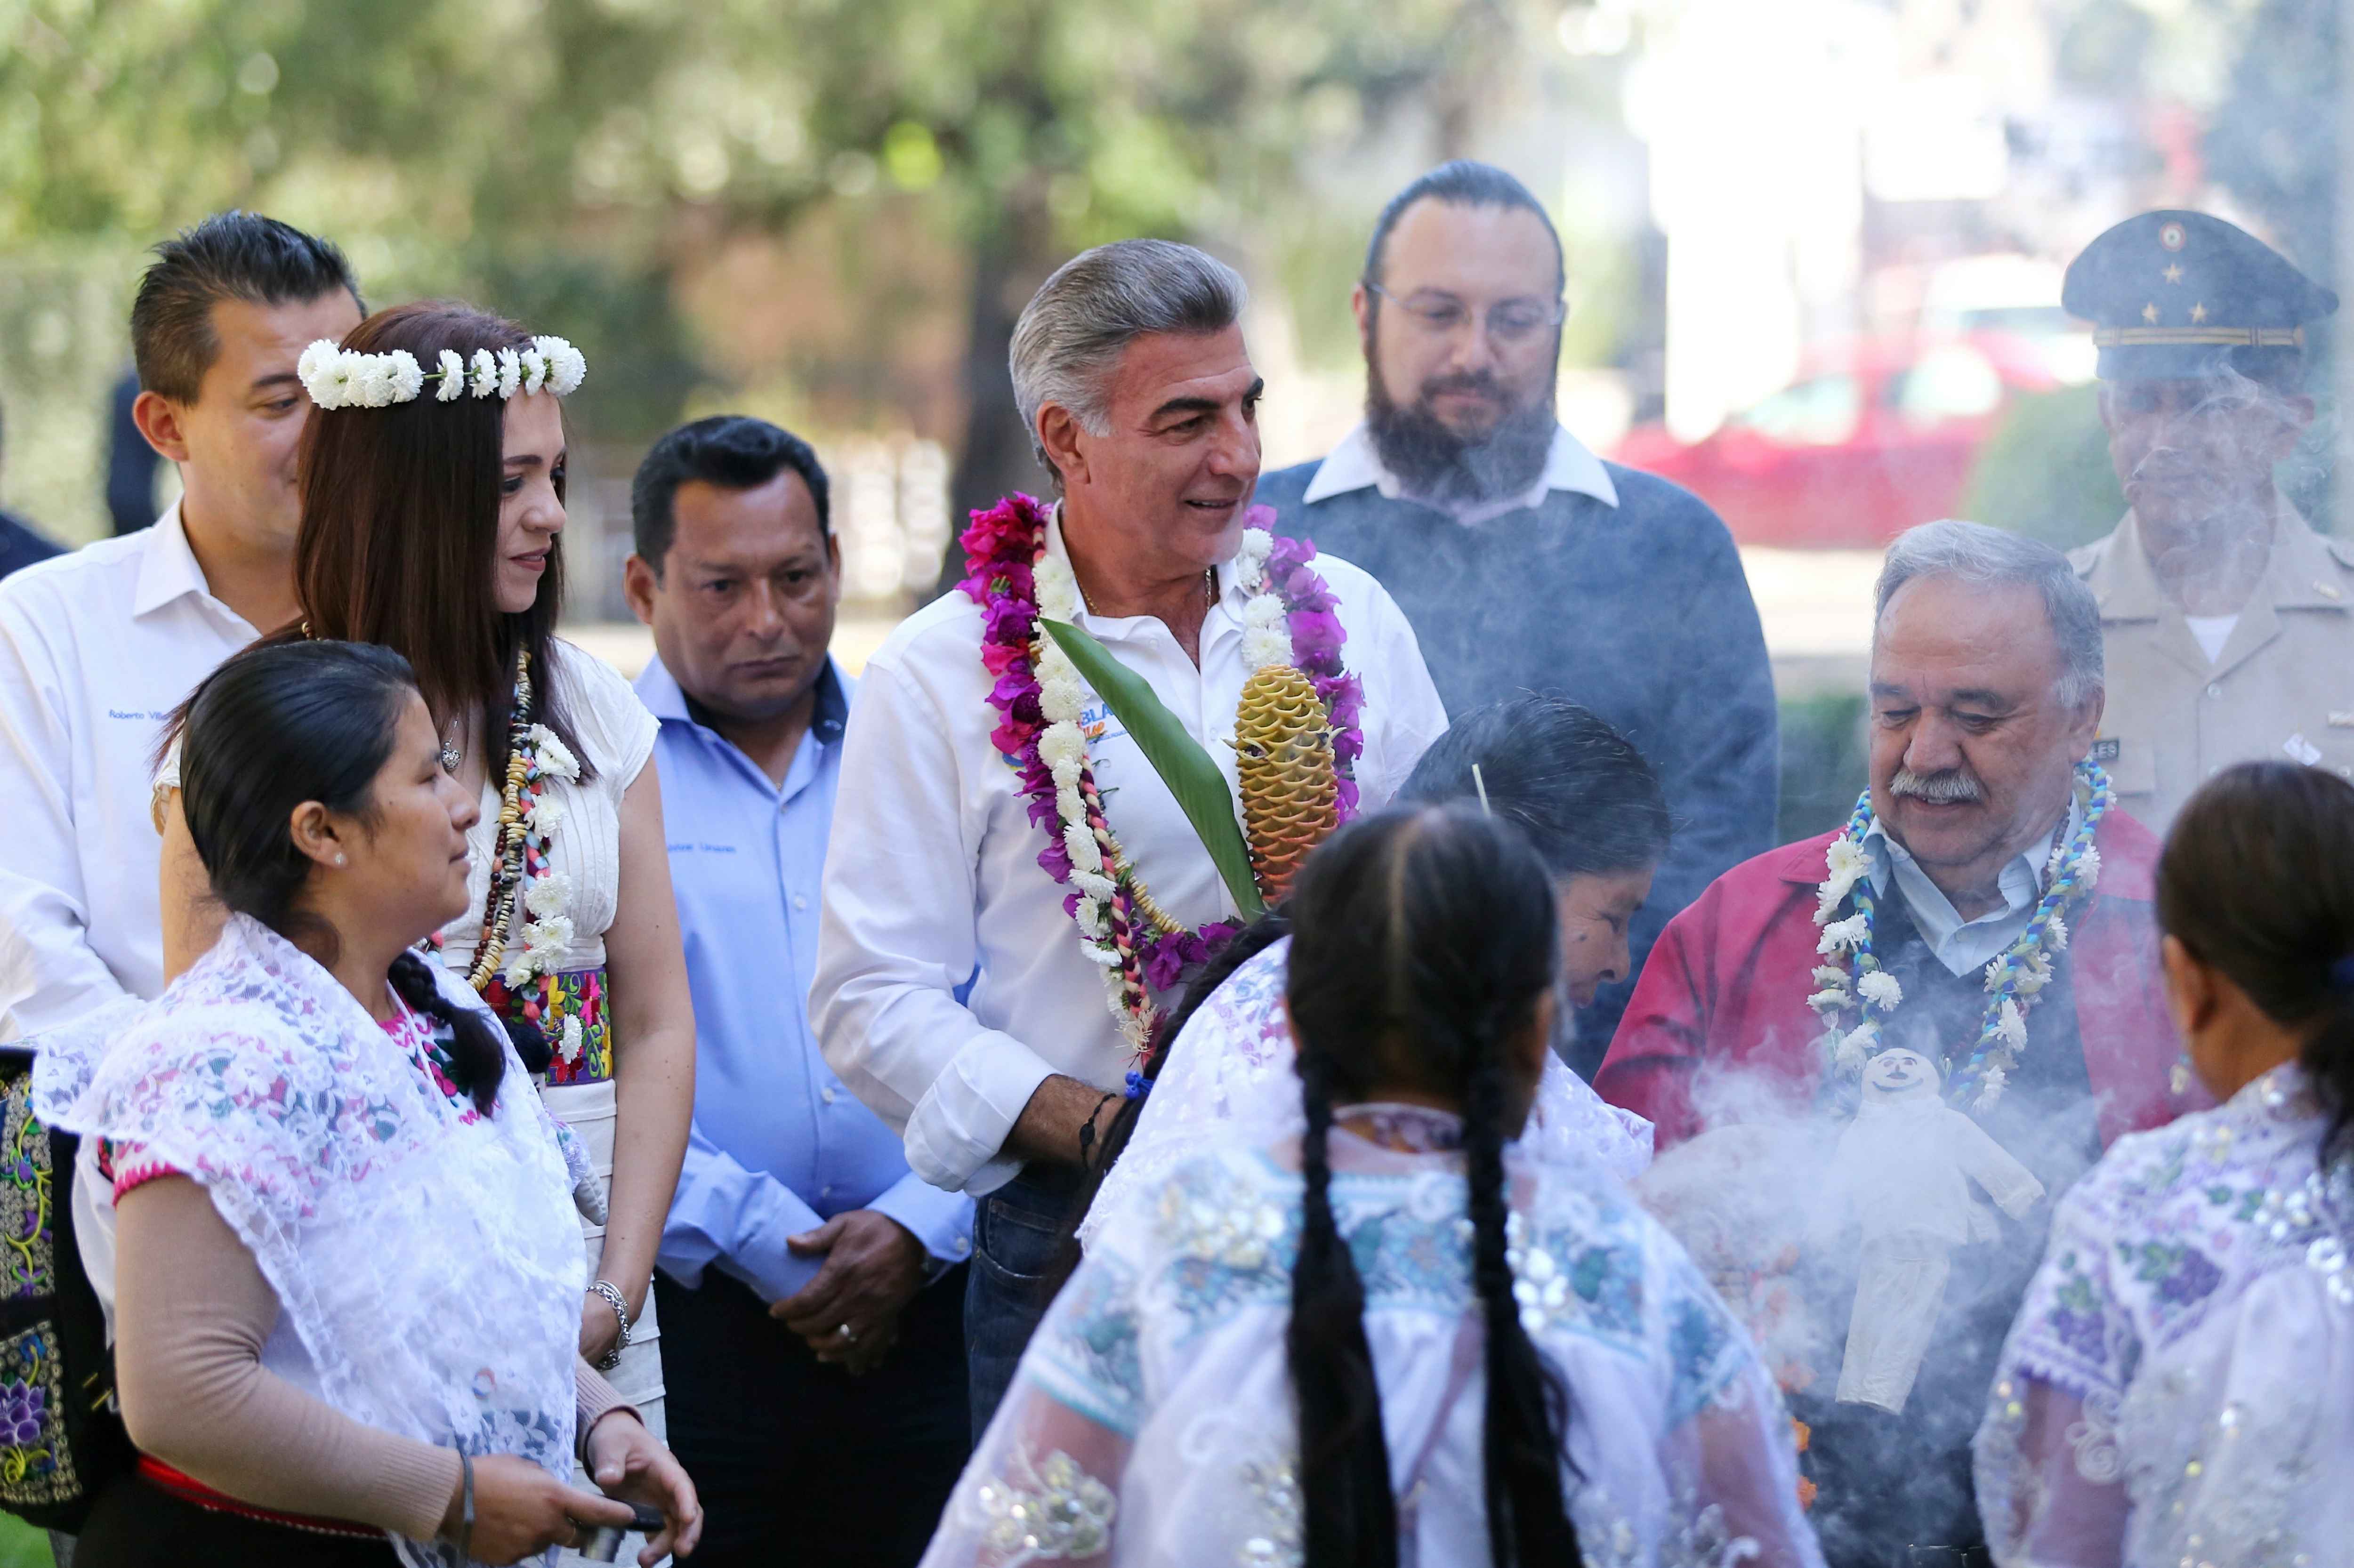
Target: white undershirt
<point x="2212" y="632"/>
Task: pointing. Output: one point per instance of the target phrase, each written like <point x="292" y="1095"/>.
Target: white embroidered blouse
<point x="1233" y="1074"/>
<point x="1153" y="1420"/>
<point x="2179" y="1384"/>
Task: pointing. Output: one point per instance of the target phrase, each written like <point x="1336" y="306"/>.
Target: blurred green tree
<point x="584" y="154"/>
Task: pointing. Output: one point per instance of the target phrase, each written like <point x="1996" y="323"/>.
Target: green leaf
<point x="1201" y="789"/>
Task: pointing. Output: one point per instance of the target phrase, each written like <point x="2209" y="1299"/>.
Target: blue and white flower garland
<point x="1856" y="995"/>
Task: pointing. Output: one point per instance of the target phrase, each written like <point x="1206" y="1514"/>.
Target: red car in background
<point x="1870" y="439"/>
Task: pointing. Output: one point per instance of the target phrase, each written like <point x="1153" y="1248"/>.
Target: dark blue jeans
<point x="1015" y="1234"/>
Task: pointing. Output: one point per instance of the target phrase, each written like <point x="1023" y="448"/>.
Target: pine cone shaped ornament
<point x="1283" y="759"/>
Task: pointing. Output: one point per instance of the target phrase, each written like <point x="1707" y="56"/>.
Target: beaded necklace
<point x="519" y="857"/>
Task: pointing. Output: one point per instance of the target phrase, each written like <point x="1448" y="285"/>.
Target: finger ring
<point x="846" y="1334"/>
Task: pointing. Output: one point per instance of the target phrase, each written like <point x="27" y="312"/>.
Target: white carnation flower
<point x="2057" y="932"/>
<point x="2010" y="1025"/>
<point x="1992" y="1091"/>
<point x="371" y="385"/>
<point x="1093" y="884"/>
<point x="535" y="370"/>
<point x="2088" y="867"/>
<point x="1061" y="698"/>
<point x="1844" y="934"/>
<point x="1995" y="970"/>
<point x="518" y="969"/>
<point x="1266" y="645"/>
<point x="547" y="895"/>
<point x="1829" y="976"/>
<point x="574" y="1038"/>
<point x="1086" y="855"/>
<point x="1089" y="916"/>
<point x="555" y="757"/>
<point x="453" y="378"/>
<point x="485" y="380"/>
<point x="1856" y="1048"/>
<point x="1828" y="999"/>
<point x="1263" y="610"/>
<point x="1257" y="546"/>
<point x="1060" y="745"/>
<point x="1058" y="591"/>
<point x="1845" y="858"/>
<point x="510" y="372"/>
<point x="547" y="814"/>
<point x="319" y="371"/>
<point x="1879" y="989"/>
<point x="1066" y="773"/>
<point x="1107" y="957"/>
<point x="548" y="936"/>
<point x="407" y="376"/>
<point x="565" y="369"/>
<point x="1068" y="805"/>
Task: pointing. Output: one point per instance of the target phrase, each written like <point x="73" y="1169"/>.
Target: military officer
<point x="2227" y="623"/>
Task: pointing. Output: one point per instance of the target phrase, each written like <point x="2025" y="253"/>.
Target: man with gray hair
<point x="1984" y="918"/>
<point x="1004" y="860"/>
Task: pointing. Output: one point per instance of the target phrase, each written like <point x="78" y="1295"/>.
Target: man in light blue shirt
<point x="800" y="1253"/>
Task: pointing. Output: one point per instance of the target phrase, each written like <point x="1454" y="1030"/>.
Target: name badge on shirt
<point x="2301" y="749"/>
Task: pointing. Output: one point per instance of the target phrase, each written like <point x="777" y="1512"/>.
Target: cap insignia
<point x="2149" y="312"/>
<point x="2171" y="236"/>
<point x="2173" y="273"/>
<point x="2199" y="312"/>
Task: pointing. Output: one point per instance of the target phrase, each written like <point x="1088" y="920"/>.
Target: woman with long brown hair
<point x="433" y="475"/>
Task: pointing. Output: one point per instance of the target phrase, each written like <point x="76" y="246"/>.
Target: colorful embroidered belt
<point x="569" y="1008"/>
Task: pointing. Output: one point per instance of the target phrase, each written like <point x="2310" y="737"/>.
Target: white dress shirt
<point x="1965" y="945"/>
<point x="97" y="648"/>
<point x="932" y="870"/>
<point x="1356" y="463"/>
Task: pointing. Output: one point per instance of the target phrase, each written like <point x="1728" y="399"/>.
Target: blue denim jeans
<point x="1016" y="1233"/>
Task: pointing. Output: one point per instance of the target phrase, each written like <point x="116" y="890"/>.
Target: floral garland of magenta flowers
<point x="1140" y="949"/>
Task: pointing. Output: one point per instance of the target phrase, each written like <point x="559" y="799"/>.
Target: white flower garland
<point x="1854" y="987"/>
<point x="1096" y="855"/>
<point x="339" y="377"/>
<point x="548" y="930"/>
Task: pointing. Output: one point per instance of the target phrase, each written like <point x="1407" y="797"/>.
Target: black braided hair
<point x="285" y="722"/>
<point x="1424" y="945"/>
<point x="2257" y="879"/>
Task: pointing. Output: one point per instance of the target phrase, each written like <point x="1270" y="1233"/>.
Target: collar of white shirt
<point x="1356" y="463"/>
<point x="1964" y="944"/>
<point x="167" y="568"/>
<point x="1231" y="595"/>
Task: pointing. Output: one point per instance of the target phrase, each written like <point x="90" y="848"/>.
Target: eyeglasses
<point x="1509" y="322"/>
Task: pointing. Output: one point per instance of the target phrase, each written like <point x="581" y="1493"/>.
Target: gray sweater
<point x="1639" y="612"/>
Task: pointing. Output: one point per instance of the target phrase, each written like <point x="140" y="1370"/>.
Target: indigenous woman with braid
<point x="1393" y="1338"/>
<point x="2179" y="1384"/>
<point x="341" y="1260"/>
<point x="1591" y="808"/>
<point x="432" y="477"/>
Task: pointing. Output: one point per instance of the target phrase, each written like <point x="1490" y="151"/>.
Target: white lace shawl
<point x="1153" y="1422"/>
<point x="2176" y="1387"/>
<point x="1232" y="1074"/>
<point x="430" y="1260"/>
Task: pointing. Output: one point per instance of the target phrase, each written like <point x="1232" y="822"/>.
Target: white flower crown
<point x="338" y="378"/>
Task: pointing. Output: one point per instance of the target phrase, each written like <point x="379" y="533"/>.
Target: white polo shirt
<point x="97" y="648"/>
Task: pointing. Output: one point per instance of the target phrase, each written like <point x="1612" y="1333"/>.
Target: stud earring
<point x="343" y="859"/>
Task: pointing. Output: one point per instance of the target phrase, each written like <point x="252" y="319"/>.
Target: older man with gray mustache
<point x="1987" y="908"/>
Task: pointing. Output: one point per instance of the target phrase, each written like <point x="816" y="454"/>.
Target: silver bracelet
<point x="621" y="1306"/>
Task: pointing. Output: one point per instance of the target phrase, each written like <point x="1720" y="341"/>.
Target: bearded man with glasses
<point x="1525" y="561"/>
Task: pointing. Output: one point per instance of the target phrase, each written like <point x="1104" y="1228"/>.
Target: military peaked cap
<point x="2174" y="294"/>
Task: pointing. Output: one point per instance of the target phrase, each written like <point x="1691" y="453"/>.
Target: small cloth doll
<point x="1903" y="1171"/>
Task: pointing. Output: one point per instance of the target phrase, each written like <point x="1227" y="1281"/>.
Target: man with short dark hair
<point x="97" y="646"/>
<point x="21" y="544"/>
<point x="812" y="1287"/>
<point x="2230" y="622"/>
<point x="1525" y="561"/>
